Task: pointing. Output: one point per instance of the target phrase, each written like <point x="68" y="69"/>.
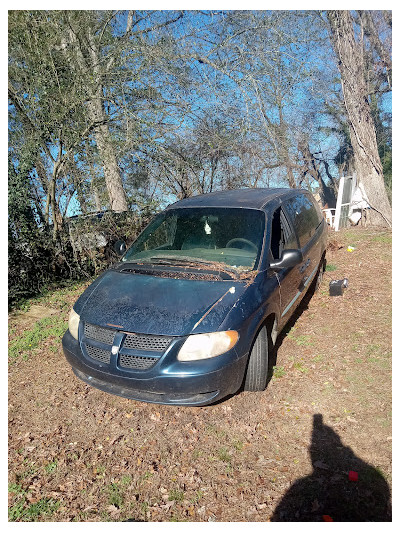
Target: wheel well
<point x="271" y="323"/>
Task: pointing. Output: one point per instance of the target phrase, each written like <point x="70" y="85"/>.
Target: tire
<point x="257" y="367"/>
<point x="320" y="274"/>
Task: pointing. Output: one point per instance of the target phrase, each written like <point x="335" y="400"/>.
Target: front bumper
<point x="168" y="382"/>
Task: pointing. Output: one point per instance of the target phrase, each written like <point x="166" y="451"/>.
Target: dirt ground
<point x="314" y="446"/>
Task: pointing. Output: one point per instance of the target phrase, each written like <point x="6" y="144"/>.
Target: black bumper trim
<point x="146" y="396"/>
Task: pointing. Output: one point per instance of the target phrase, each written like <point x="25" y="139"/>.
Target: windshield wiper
<point x="166" y="260"/>
<point x="183" y="259"/>
<point x="215" y="265"/>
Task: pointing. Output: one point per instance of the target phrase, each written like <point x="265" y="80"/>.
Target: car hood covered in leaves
<point x="155" y="305"/>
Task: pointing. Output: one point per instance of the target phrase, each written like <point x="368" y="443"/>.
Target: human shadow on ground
<point x="329" y="493"/>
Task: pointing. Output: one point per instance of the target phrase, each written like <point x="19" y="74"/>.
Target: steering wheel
<point x="249" y="244"/>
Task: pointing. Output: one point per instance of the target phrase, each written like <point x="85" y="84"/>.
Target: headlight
<point x="206" y="345"/>
<point x="73" y="323"/>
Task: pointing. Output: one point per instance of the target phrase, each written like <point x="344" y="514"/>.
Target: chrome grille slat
<point x="154" y="343"/>
<point x="132" y="341"/>
<point x="99" y="334"/>
<point x="98" y="353"/>
<point x="137" y="362"/>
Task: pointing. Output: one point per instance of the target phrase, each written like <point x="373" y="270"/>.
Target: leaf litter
<point x="118" y="460"/>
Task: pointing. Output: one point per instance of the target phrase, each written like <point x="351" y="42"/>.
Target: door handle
<point x="305" y="265"/>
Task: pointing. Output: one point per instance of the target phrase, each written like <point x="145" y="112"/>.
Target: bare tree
<point x="311" y="166"/>
<point x="85" y="37"/>
<point x="351" y="65"/>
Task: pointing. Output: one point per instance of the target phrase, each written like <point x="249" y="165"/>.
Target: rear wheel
<point x="320" y="274"/>
<point x="257" y="368"/>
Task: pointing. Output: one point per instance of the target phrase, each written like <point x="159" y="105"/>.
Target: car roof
<point x="248" y="198"/>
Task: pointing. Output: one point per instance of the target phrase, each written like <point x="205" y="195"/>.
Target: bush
<point x="83" y="248"/>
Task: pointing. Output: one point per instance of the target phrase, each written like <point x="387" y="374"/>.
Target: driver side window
<point x="282" y="237"/>
<point x="163" y="236"/>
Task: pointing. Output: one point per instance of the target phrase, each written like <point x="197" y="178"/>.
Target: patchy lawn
<point x="315" y="446"/>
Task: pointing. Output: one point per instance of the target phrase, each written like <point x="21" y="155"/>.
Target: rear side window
<point x="305" y="217"/>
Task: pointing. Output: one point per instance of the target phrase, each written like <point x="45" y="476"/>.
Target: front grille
<point x="98" y="353"/>
<point x="132" y="341"/>
<point x="96" y="333"/>
<point x="137" y="362"/>
<point x="153" y="343"/>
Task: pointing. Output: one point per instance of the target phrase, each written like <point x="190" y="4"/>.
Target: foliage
<point x="84" y="247"/>
<point x="31" y="256"/>
<point x="131" y="110"/>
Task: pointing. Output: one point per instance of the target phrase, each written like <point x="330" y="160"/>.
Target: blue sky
<point x="299" y="97"/>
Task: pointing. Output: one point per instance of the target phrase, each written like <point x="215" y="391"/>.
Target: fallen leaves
<point x="99" y="439"/>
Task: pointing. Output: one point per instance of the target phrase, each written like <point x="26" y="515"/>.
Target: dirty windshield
<point x="232" y="237"/>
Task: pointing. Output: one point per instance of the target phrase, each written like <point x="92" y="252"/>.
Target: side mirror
<point x="120" y="247"/>
<point x="289" y="258"/>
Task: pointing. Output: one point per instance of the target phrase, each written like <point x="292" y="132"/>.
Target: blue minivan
<point x="190" y="313"/>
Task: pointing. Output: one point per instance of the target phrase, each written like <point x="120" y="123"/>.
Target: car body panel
<point x="124" y="302"/>
<point x="159" y="306"/>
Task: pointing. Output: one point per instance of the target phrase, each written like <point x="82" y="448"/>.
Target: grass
<point x="330" y="267"/>
<point x="299" y="366"/>
<point x="176" y="495"/>
<point x="278" y="371"/>
<point x="146" y="476"/>
<point x="21" y="512"/>
<point x="223" y="455"/>
<point x="51" y="467"/>
<point x="300" y="340"/>
<point x="373" y="349"/>
<point x="125" y="481"/>
<point x="15" y="488"/>
<point x="31" y="470"/>
<point x="351" y="237"/>
<point x="100" y="471"/>
<point x="197" y="496"/>
<point x="304" y="340"/>
<point x="114" y="495"/>
<point x="384" y="239"/>
<point x="30" y="339"/>
<point x="213" y="430"/>
<point x="238" y="445"/>
<point x="197" y="453"/>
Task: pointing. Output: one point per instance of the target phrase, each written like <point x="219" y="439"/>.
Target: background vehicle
<point x="193" y="308"/>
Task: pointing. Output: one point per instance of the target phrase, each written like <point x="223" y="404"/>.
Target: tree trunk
<point x="88" y="58"/>
<point x="362" y="130"/>
<point x="51" y="202"/>
<point x="311" y="166"/>
<point x="104" y="143"/>
<point x="96" y="196"/>
<point x="376" y="43"/>
<point x="111" y="169"/>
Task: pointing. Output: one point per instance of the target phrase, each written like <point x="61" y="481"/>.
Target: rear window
<point x="304" y="215"/>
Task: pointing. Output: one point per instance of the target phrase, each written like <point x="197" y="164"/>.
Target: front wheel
<point x="257" y="367"/>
